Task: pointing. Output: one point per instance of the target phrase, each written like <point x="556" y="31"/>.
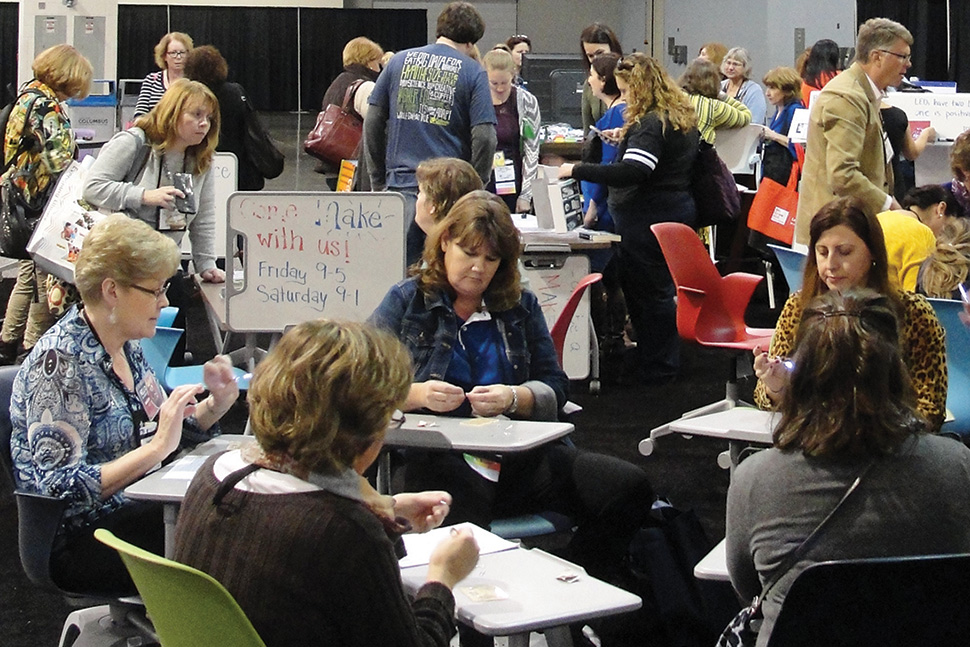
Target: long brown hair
<point x="652" y="90"/>
<point x="850" y="391"/>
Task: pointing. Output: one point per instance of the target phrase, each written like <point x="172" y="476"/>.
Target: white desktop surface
<point x="474" y="434"/>
<point x="714" y="564"/>
<point x="740" y="423"/>
<point x="537" y="599"/>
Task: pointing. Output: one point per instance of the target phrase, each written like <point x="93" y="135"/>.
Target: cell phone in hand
<point x="183" y="182"/>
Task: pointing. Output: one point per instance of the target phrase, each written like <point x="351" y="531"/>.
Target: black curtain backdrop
<point x="926" y="20"/>
<point x="260" y="44"/>
<point x="324" y="32"/>
<point x="9" y="44"/>
<point x="140" y="27"/>
<point x="960" y="43"/>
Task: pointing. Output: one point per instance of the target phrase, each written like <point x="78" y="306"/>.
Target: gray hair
<point x="740" y="55"/>
<point x="879" y="33"/>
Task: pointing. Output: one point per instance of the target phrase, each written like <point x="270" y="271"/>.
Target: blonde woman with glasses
<point x="170" y="56"/>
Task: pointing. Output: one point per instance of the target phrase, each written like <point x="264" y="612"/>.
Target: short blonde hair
<point x="327" y="391"/>
<point x="740" y="55"/>
<point x="125" y="249"/>
<point x="161" y="124"/>
<point x="498" y="60"/>
<point x="162" y="48"/>
<point x="444" y="180"/>
<point x="362" y="51"/>
<point x="879" y="33"/>
<point x="64" y="69"/>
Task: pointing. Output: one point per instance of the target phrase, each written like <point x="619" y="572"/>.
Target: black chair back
<point x="7" y="375"/>
<point x="889" y="602"/>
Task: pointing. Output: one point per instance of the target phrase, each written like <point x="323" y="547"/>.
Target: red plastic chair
<point x="561" y="327"/>
<point x="710" y="308"/>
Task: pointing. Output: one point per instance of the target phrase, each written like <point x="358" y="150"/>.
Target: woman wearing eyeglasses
<point x="88" y="415"/>
<point x="649" y="182"/>
<point x="170" y="56"/>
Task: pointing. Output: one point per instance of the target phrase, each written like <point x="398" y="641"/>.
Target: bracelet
<point x="512" y="408"/>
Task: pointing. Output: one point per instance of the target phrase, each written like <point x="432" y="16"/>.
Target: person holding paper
<point x="480" y="347"/>
<point x="288" y="524"/>
<point x="88" y="415"/>
<point x="782" y="89"/>
<point x="46" y="149"/>
<point x="847" y="153"/>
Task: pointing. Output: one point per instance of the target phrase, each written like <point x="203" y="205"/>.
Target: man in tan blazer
<point x="846" y="153"/>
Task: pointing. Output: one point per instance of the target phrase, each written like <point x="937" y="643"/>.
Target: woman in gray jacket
<point x="159" y="171"/>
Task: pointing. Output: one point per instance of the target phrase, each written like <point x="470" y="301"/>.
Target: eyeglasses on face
<point x="179" y="54"/>
<point x="155" y="293"/>
<point x="902" y="57"/>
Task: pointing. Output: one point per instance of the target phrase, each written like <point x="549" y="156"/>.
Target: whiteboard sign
<point x="312" y="255"/>
<point x="948" y="113"/>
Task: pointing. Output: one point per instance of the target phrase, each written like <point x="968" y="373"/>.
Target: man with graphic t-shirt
<point x="430" y="101"/>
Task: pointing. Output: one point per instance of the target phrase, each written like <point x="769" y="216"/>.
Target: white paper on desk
<point x="421" y="545"/>
<point x="184" y="469"/>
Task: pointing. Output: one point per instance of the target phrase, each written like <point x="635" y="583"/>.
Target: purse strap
<point x="803" y="547"/>
<point x="349" y="94"/>
<point x="20" y="142"/>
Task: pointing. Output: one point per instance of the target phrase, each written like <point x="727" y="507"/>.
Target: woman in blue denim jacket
<point x="480" y="346"/>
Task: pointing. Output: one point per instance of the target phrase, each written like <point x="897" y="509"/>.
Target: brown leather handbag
<point x="337" y="133"/>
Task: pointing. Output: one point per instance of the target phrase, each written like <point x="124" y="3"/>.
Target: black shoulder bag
<point x="19" y="216"/>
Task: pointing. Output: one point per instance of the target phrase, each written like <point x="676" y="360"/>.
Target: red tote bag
<point x="773" y="210"/>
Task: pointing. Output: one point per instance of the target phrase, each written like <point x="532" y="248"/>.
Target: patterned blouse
<point x="71" y="413"/>
<point x="33" y="170"/>
<point x="924" y="352"/>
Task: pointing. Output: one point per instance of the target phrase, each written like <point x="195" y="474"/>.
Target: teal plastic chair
<point x="792" y="265"/>
<point x="158" y="352"/>
<point x="167" y="316"/>
<point x="188" y="607"/>
<point x="957" y="366"/>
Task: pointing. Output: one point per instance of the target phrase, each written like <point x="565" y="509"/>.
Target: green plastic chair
<point x="187" y="607"/>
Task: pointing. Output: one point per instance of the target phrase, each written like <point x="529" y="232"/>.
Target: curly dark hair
<point x="206" y="65"/>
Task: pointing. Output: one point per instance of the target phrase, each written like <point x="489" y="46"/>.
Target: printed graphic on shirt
<point x="427" y="89"/>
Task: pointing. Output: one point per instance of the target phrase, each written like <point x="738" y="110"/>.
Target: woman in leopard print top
<point x="847" y="251"/>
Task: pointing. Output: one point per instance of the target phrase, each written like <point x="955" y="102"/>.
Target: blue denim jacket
<point x="428" y="327"/>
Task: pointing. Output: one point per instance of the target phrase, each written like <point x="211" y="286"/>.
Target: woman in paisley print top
<point x="88" y="415"/>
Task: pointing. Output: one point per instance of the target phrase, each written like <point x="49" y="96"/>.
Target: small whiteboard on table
<point x="312" y="255"/>
<point x="552" y="278"/>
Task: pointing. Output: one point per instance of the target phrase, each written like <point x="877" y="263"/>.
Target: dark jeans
<point x="606" y="496"/>
<point x="85" y="565"/>
<point x="647" y="285"/>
